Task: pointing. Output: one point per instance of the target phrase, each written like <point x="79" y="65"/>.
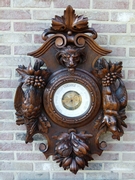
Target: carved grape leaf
<point x="69" y="21"/>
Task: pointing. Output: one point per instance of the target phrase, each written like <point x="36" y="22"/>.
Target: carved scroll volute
<point x="68" y="35"/>
<point x="73" y="80"/>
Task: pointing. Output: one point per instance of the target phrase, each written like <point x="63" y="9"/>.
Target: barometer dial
<point x="72" y="99"/>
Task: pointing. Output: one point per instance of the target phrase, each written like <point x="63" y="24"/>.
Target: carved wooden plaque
<point x="76" y="98"/>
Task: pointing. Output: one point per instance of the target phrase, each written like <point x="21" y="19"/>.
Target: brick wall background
<point x="21" y="25"/>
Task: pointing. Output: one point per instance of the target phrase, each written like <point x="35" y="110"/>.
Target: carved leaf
<point x="70" y="21"/>
<point x="72" y="151"/>
<point x="58" y="23"/>
<point x="43" y="124"/>
<point x="80" y="22"/>
<point x="69" y="16"/>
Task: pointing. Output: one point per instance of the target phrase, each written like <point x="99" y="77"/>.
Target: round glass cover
<point x="72" y="99"/>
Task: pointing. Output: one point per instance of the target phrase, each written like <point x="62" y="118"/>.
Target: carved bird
<point x="114" y="96"/>
<point x="28" y="99"/>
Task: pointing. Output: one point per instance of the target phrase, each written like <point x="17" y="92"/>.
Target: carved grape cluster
<point x="108" y="72"/>
<point x="34" y="76"/>
<point x="36" y="81"/>
<point x="109" y="79"/>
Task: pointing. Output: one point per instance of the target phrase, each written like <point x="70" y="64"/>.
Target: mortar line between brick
<point x="120" y="175"/>
<point x="91" y="5"/>
<point x="11" y="5"/>
<point x="130" y="4"/>
<point x="62" y="9"/>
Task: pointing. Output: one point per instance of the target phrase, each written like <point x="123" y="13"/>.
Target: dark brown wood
<point x="72" y="151"/>
<point x="75" y="98"/>
<point x="114" y="97"/>
<point x="63" y="77"/>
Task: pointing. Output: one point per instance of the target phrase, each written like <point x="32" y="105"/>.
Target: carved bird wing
<point x="121" y="94"/>
<point x="18" y="104"/>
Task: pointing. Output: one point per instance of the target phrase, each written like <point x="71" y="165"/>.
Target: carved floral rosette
<point x="71" y="55"/>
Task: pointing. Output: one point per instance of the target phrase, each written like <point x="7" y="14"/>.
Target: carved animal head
<point x="70" y="56"/>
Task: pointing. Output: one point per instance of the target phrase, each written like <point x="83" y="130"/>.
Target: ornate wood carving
<point x="76" y="98"/>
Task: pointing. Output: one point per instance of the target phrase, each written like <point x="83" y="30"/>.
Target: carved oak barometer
<point x="76" y="98"/>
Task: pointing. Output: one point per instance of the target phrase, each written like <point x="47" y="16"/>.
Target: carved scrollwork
<point x="69" y="23"/>
<point x="28" y="103"/>
<point x="72" y="151"/>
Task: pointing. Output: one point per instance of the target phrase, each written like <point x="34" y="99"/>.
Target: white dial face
<point x="72" y="100"/>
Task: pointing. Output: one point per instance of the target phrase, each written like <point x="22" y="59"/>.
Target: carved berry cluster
<point x="34" y="76"/>
<point x="109" y="79"/>
<point x="36" y="81"/>
<point x="108" y="72"/>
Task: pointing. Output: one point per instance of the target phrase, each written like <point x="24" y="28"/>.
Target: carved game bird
<point x="28" y="98"/>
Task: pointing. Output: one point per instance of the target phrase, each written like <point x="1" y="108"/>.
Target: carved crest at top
<point x="69" y="30"/>
<point x="70" y="23"/>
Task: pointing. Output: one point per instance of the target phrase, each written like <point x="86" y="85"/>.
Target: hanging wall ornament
<point x="76" y="98"/>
